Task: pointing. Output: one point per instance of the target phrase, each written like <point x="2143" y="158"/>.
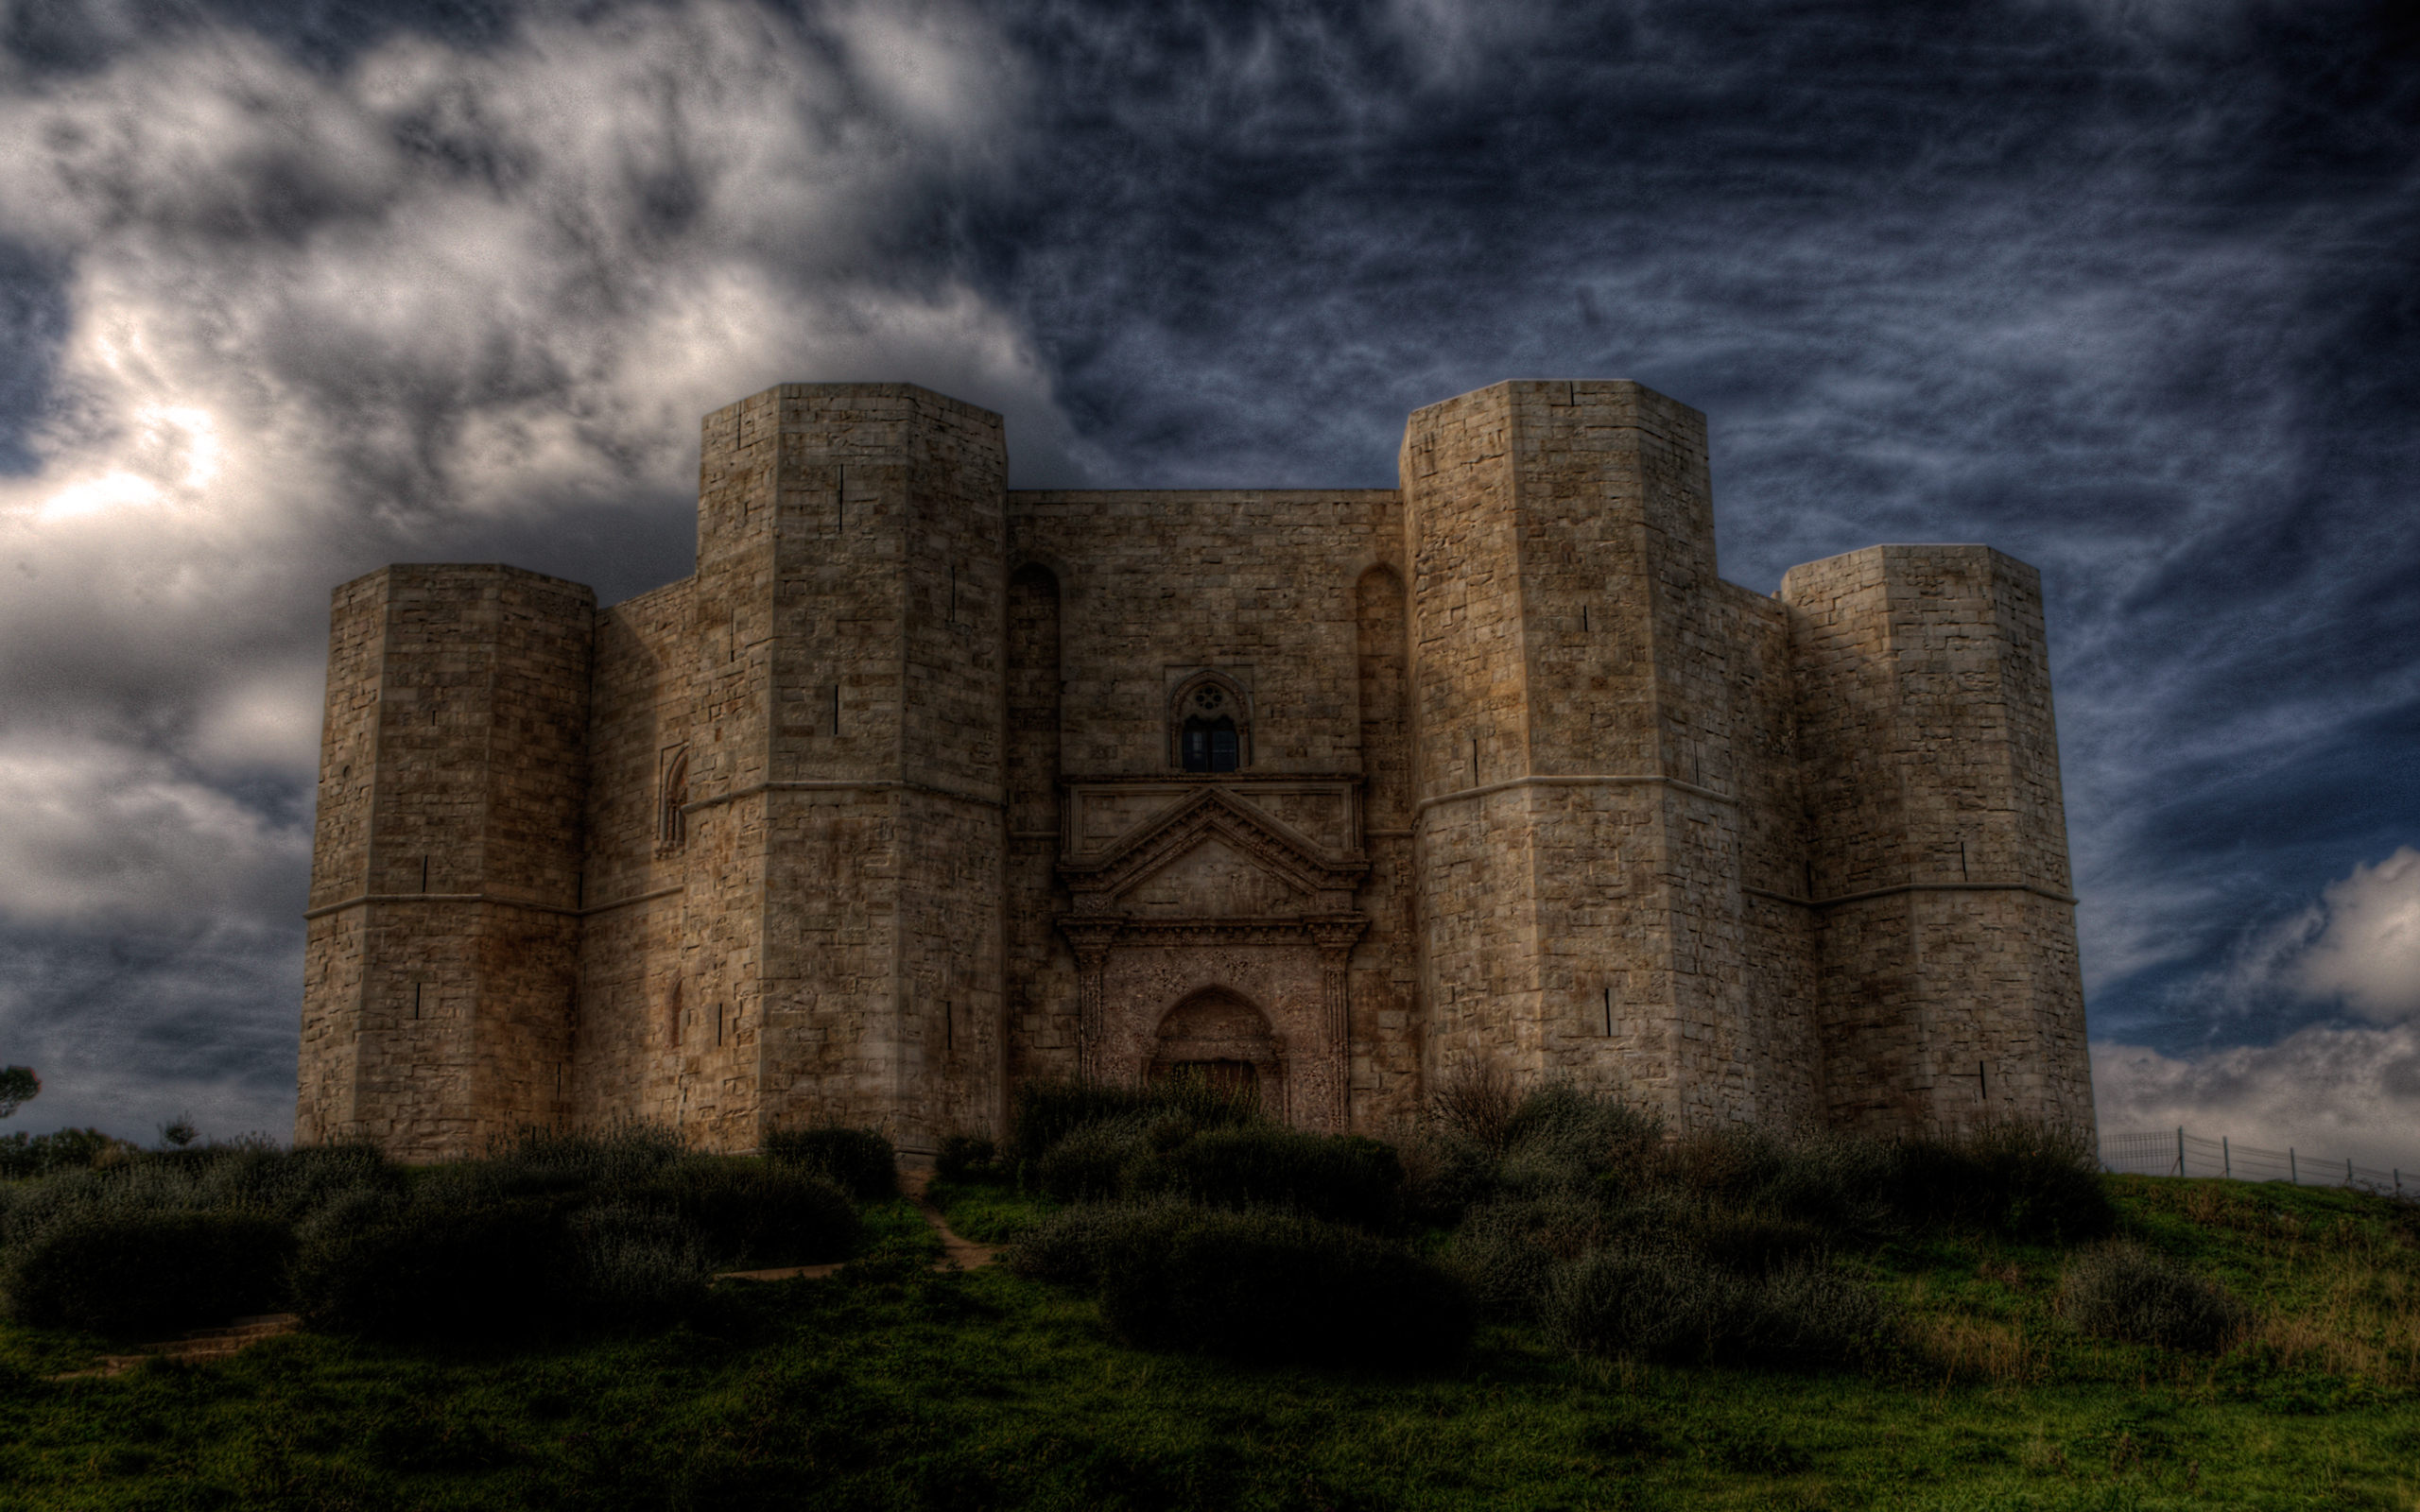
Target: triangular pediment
<point x="1222" y="854"/>
<point x="1212" y="878"/>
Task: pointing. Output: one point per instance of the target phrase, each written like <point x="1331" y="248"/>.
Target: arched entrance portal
<point x="1221" y="1035"/>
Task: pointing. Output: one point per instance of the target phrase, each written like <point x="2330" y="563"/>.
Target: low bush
<point x="123" y="1273"/>
<point x="1445" y="1174"/>
<point x="1562" y="1139"/>
<point x="964" y="1157"/>
<point x="537" y="1162"/>
<point x="1088" y="1164"/>
<point x="1049" y="1111"/>
<point x="2126" y="1292"/>
<point x="1073" y="1245"/>
<point x="750" y="1213"/>
<point x="1342" y="1178"/>
<point x="431" y="1269"/>
<point x="24" y="1157"/>
<point x="1271" y="1286"/>
<point x="1750" y="1241"/>
<point x="2027" y="1181"/>
<point x="639" y="1267"/>
<point x="1835" y="1183"/>
<point x="1507" y="1251"/>
<point x="859" y="1161"/>
<point x="291" y="1183"/>
<point x="1721" y="1164"/>
<point x="1670" y="1305"/>
<point x="1476" y="1102"/>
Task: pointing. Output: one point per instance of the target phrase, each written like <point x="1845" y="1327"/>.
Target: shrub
<point x="967" y="1157"/>
<point x="535" y="1163"/>
<point x="1562" y="1139"/>
<point x="2125" y="1292"/>
<point x="1264" y="1285"/>
<point x="745" y="1213"/>
<point x="2026" y="1180"/>
<point x="26" y="1155"/>
<point x="1088" y="1162"/>
<point x="1445" y="1174"/>
<point x="639" y="1267"/>
<point x="123" y="1273"/>
<point x="1049" y="1111"/>
<point x="1721" y="1164"/>
<point x="1750" y="1241"/>
<point x="1072" y="1246"/>
<point x="1478" y="1101"/>
<point x="1837" y="1183"/>
<point x="1342" y="1179"/>
<point x="1667" y="1304"/>
<point x="500" y="1270"/>
<point x="291" y="1183"/>
<point x="1507" y="1251"/>
<point x="859" y="1161"/>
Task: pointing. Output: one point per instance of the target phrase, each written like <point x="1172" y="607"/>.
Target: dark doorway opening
<point x="1228" y="1078"/>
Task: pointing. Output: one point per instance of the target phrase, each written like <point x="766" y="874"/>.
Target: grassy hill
<point x="890" y="1385"/>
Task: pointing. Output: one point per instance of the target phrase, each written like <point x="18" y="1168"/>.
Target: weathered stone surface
<point x="888" y="807"/>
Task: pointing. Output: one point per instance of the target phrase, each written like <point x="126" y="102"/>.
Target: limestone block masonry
<point x="921" y="787"/>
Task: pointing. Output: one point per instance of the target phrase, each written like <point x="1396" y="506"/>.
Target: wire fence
<point x="2183" y="1154"/>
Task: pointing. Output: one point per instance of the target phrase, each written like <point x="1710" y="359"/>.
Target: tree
<point x="18" y="1087"/>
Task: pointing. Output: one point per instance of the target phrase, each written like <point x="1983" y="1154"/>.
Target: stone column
<point x="1090" y="942"/>
<point x="1336" y="941"/>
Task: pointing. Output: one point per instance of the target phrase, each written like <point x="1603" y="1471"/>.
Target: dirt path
<point x="957" y="1251"/>
<point x="964" y="1253"/>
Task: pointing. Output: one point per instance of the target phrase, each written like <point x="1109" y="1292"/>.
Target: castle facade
<point x="922" y="787"/>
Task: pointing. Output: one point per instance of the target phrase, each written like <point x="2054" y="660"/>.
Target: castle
<point x="922" y="787"/>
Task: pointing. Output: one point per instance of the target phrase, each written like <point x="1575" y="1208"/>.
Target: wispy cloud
<point x="2350" y="1089"/>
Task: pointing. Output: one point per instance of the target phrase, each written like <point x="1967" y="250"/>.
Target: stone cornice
<point x="2035" y="888"/>
<point x="1096" y="931"/>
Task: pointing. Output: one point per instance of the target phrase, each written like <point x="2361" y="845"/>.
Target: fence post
<point x="2179" y="1151"/>
<point x="2227" y="1158"/>
<point x="2348" y="1172"/>
<point x="2293" y="1172"/>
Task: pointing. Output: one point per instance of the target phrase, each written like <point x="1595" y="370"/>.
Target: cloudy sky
<point x="2128" y="288"/>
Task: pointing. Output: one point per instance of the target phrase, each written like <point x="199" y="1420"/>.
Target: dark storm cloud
<point x="2129" y="291"/>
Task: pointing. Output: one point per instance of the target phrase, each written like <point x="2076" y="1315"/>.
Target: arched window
<point x="1210" y="725"/>
<point x="671" y="824"/>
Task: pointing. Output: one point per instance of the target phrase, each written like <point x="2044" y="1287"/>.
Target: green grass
<point x="890" y="1386"/>
<point x="988" y="1212"/>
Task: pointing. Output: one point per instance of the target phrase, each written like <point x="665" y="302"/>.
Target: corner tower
<point x="1949" y="986"/>
<point x="439" y="972"/>
<point x="840" y="949"/>
<point x="1578" y="810"/>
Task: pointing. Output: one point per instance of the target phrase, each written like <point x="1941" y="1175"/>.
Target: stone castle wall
<point x="884" y="811"/>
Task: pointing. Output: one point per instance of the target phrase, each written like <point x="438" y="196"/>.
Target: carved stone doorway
<point x="1221" y="1035"/>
